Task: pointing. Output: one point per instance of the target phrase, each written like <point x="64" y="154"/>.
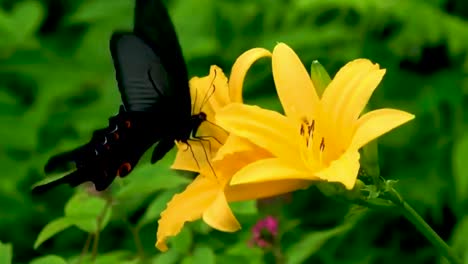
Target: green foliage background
<point x="57" y="85"/>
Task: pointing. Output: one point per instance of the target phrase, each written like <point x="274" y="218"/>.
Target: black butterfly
<point x="153" y="82"/>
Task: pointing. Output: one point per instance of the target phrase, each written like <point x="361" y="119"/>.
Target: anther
<point x="322" y="145"/>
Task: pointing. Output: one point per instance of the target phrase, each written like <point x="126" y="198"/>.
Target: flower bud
<point x="319" y="76"/>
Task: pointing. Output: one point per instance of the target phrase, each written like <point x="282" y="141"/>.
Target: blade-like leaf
<point x="51" y="229"/>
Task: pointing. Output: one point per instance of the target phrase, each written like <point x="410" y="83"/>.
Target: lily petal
<point x="251" y="191"/>
<point x="273" y="169"/>
<point x="293" y="84"/>
<point x="376" y="123"/>
<point x="199" y="87"/>
<point x="218" y="92"/>
<point x="360" y="96"/>
<point x="268" y="129"/>
<point x="239" y="71"/>
<point x="184" y="159"/>
<point x="201" y="193"/>
<point x="235" y="144"/>
<point x="219" y="215"/>
<point x="348" y="93"/>
<point x="344" y="170"/>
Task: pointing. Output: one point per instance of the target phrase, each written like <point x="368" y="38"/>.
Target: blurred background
<point x="57" y="85"/>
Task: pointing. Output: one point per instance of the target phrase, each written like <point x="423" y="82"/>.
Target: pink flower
<point x="265" y="232"/>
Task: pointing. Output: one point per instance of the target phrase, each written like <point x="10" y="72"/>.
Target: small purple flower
<point x="265" y="232"/>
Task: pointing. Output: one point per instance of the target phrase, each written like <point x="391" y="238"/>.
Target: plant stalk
<point x="423" y="227"/>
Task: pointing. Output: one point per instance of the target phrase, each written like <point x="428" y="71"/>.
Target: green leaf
<point x="182" y="241"/>
<point x="94" y="10"/>
<point x="459" y="240"/>
<point x="51" y="229"/>
<point x="26" y="18"/>
<point x="148" y="179"/>
<point x="117" y="256"/>
<point x="245" y="207"/>
<point x="49" y="179"/>
<point x="156" y="207"/>
<point x="51" y="259"/>
<point x="203" y="255"/>
<point x="460" y="157"/>
<point x="311" y="244"/>
<point x="83" y="210"/>
<point x="169" y="257"/>
<point x="201" y="227"/>
<point x="6" y="253"/>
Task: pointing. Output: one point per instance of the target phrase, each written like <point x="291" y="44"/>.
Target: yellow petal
<point x="234" y="144"/>
<point x="376" y="123"/>
<point x="199" y="87"/>
<point x="210" y="131"/>
<point x="218" y="93"/>
<point x="186" y="207"/>
<point x="295" y="89"/>
<point x="239" y="71"/>
<point x="348" y="93"/>
<point x="273" y="169"/>
<point x="184" y="159"/>
<point x="219" y="216"/>
<point x="209" y="93"/>
<point x="344" y="170"/>
<point x="252" y="191"/>
<point x="267" y="129"/>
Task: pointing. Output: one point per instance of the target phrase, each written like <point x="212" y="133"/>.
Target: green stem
<point x="423" y="227"/>
<point x="136" y="238"/>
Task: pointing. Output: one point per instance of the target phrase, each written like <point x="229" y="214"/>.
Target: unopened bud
<point x="319" y="77"/>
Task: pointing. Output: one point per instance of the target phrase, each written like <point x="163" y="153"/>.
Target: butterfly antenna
<point x="210" y="92"/>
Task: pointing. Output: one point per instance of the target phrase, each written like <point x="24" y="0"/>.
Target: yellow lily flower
<point x="208" y="195"/>
<point x="319" y="138"/>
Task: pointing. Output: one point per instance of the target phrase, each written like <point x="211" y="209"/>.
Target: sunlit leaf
<point x="311" y="243"/>
<point x="51" y="229"/>
<point x="246" y="207"/>
<point x="85" y="210"/>
<point x="459" y="240"/>
<point x="169" y="257"/>
<point x="26" y="18"/>
<point x="51" y="259"/>
<point x="116" y="256"/>
<point x="156" y="207"/>
<point x="183" y="241"/>
<point x="6" y="253"/>
<point x="94" y="10"/>
<point x="148" y="179"/>
<point x="49" y="179"/>
<point x="203" y="255"/>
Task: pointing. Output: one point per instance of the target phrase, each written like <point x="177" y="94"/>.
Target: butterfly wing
<point x="153" y="24"/>
<point x="152" y="79"/>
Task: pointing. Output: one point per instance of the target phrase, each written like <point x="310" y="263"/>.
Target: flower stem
<point x="423" y="227"/>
